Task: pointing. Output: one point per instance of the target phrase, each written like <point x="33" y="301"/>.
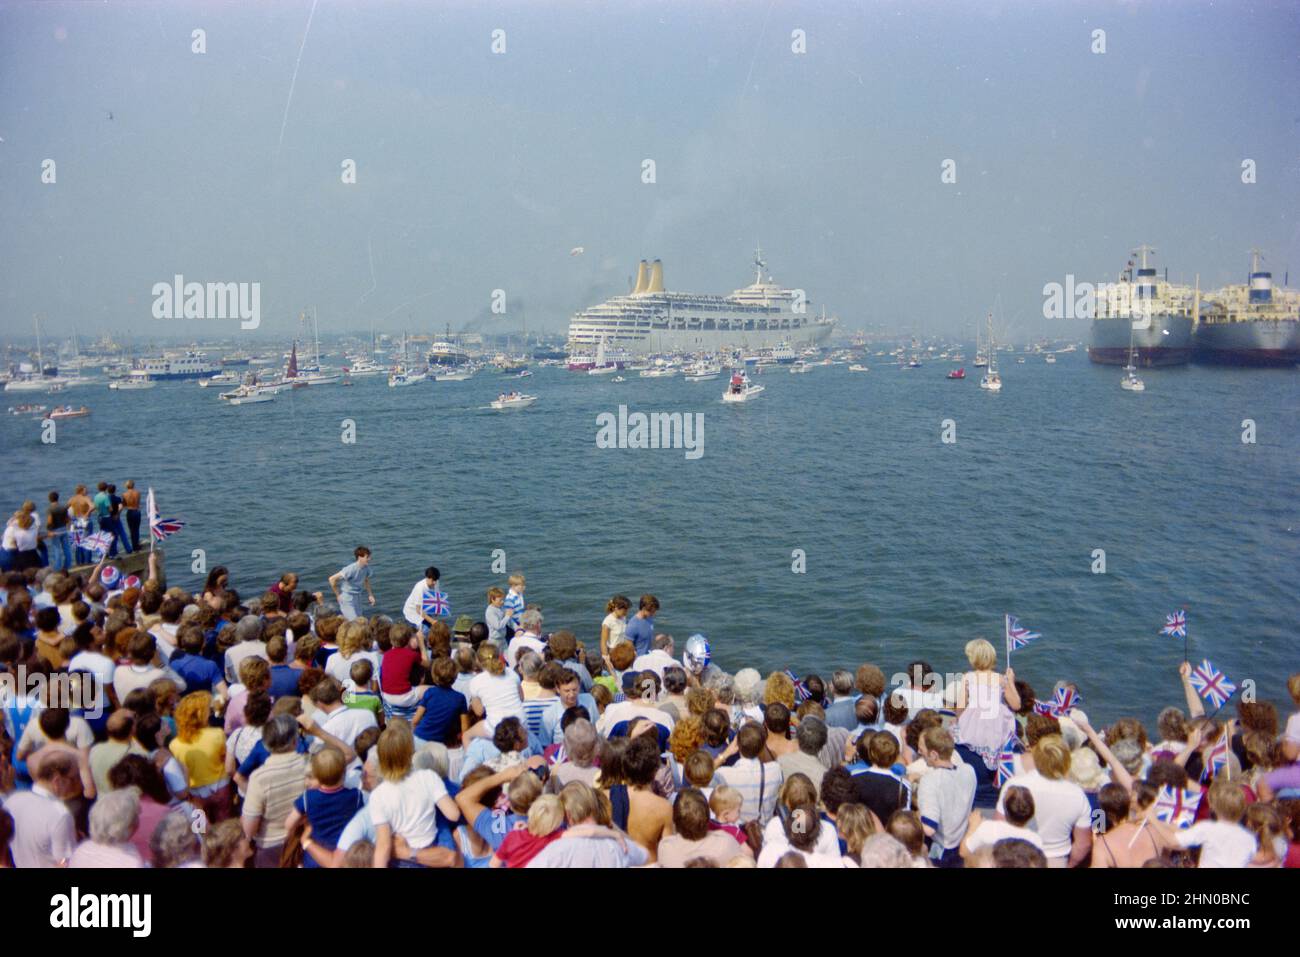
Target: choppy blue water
<point x="912" y="546"/>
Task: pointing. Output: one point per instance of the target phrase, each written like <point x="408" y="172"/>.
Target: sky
<point x="479" y="170"/>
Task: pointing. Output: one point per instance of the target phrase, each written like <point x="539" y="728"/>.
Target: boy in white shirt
<point x="1223" y="841"/>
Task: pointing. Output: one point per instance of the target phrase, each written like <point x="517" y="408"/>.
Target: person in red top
<point x="545" y="824"/>
<point x="284" y="589"/>
<point x="395" y="672"/>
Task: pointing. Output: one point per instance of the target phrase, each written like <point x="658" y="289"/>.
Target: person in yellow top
<point x="201" y="748"/>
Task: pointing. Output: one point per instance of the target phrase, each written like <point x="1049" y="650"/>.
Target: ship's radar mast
<point x="759" y="265"/>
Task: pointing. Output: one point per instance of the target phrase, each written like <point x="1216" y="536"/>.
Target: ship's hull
<point x="1166" y="342"/>
<point x="1259" y="342"/>
<point x="703" y="341"/>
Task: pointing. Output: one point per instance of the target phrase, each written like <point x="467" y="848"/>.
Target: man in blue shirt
<point x="641" y="628"/>
<point x="569" y="693"/>
<point x="347" y="582"/>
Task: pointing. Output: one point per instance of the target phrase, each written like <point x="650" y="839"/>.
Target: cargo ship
<point x="650" y="319"/>
<point x="1165" y="341"/>
<point x="1253" y="324"/>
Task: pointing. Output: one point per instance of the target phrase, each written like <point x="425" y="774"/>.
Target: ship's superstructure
<point x="1252" y="324"/>
<point x="1122" y="312"/>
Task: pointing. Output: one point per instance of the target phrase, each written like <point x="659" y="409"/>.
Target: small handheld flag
<point x="1177" y="807"/>
<point x="434" y="603"/>
<point x="800" y="689"/>
<point x="161" y="528"/>
<point x="1212" y="684"/>
<point x="1017" y="636"/>
<point x="1007" y="761"/>
<point x="1064" y="699"/>
<point x="1175" y="625"/>
<point x="1216" y="760"/>
<point x="99" y="543"/>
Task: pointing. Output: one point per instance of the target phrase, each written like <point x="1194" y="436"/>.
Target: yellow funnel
<point x="656" y="283"/>
<point x="640" y="279"/>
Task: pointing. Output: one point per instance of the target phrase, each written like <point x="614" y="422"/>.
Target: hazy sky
<point x="478" y="171"/>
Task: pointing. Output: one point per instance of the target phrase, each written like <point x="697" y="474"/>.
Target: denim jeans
<point x="60" y="547"/>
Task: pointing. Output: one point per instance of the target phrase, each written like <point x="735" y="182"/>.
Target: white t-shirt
<point x="828" y="842"/>
<point x="499" y="694"/>
<point x="165" y="639"/>
<point x="78" y="735"/>
<point x="656" y="661"/>
<point x="627" y="710"/>
<point x="918" y="698"/>
<point x="409" y="806"/>
<point x="127" y="678"/>
<point x="340" y="668"/>
<point x="346" y="723"/>
<point x="1059" y="807"/>
<point x="617" y="627"/>
<point x="990" y="832"/>
<point x="1221" y="844"/>
<point x="523" y="640"/>
<point x="103" y="669"/>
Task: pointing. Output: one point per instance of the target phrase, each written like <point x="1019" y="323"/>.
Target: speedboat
<point x="132" y="384"/>
<point x="363" y="367"/>
<point x="252" y="397"/>
<point x="513" y="401"/>
<point x="957" y="374"/>
<point x="221" y="378"/>
<point x="26" y="409"/>
<point x="799" y="366"/>
<point x="68" y="412"/>
<point x="740" y="389"/>
<point x="701" y="372"/>
<point x="858" y="368"/>
<point x="453" y="375"/>
<point x="522" y="374"/>
<point x="1051" y="358"/>
<point x="401" y="377"/>
<point x="660" y="372"/>
<point x="618" y="378"/>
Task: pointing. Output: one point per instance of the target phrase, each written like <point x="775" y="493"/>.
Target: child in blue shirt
<point x="328" y="806"/>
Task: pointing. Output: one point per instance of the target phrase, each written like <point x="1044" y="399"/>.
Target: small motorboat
<point x="618" y="378"/>
<point x="701" y="372"/>
<point x="957" y="374"/>
<point x="27" y="409"/>
<point x="740" y="389"/>
<point x="858" y="368"/>
<point x="252" y="397"/>
<point x="221" y="378"/>
<point x="660" y="372"/>
<point x="799" y="366"/>
<point x="401" y="377"/>
<point x="453" y="375"/>
<point x="1051" y="358"/>
<point x="522" y="374"/>
<point x="132" y="384"/>
<point x="513" y="400"/>
<point x="68" y="412"/>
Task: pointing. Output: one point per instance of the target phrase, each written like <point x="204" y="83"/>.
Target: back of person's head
<point x="277" y="649"/>
<point x="837" y="788"/>
<point x="1039" y="726"/>
<point x="796" y="791"/>
<point x="327" y="692"/>
<point x="855" y="824"/>
<point x="842" y="683"/>
<point x="790" y="859"/>
<point x="717" y="728"/>
<point x="280" y="734"/>
<point x="905" y="827"/>
<point x="896" y="709"/>
<point x="489" y="659"/>
<point x="327" y="767"/>
<point x="776" y="717"/>
<point x="691" y="815"/>
<point x="361" y="672"/>
<point x="866" y="710"/>
<point x="870" y="681"/>
<point x="750" y="739"/>
<point x="510" y="735"/>
<point x="884" y="851"/>
<point x="174" y="842"/>
<point x="444" y="672"/>
<point x="802" y="827"/>
<point x="675" y="681"/>
<point x="141" y="649"/>
<point x="882" y="749"/>
<point x="523" y="791"/>
<point x="545" y="815"/>
<point x="114" y="816"/>
<point x="1172" y="725"/>
<point x="54" y="723"/>
<point x="1227" y="801"/>
<point x="1052" y="757"/>
<point x="939" y="740"/>
<point x="1167" y="773"/>
<point x="698" y="769"/>
<point x="57" y="767"/>
<point x="1018" y="806"/>
<point x="812" y="735"/>
<point x="580" y="802"/>
<point x="1017" y="852"/>
<point x="580" y="741"/>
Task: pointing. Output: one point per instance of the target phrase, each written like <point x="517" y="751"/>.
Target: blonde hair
<point x="580" y="802"/>
<point x="192" y="715"/>
<point x="724" y="799"/>
<point x="353" y="637"/>
<point x="395" y="749"/>
<point x="1293" y="687"/>
<point x="515" y="579"/>
<point x="494" y="593"/>
<point x="779" y="690"/>
<point x="981" y="655"/>
<point x="855" y="824"/>
<point x="1052" y="757"/>
<point x="546" y="815"/>
<point x="489" y="658"/>
<point x="327" y="766"/>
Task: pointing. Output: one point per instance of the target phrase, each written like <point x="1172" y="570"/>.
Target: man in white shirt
<point x="413" y="609"/>
<point x="249" y="630"/>
<point x="528" y="637"/>
<point x="1018" y="806"/>
<point x="45" y="834"/>
<point x="924" y="689"/>
<point x="658" y="658"/>
<point x="339" y="721"/>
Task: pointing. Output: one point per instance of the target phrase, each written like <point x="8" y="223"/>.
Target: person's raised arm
<point x="1193" y="743"/>
<point x="1009" y="693"/>
<point x="1117" y="771"/>
<point x="469" y="799"/>
<point x="309" y="726"/>
<point x="1195" y="708"/>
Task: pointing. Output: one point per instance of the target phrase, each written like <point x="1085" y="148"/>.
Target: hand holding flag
<point x="160" y="528"/>
<point x="1017" y="636"/>
<point x="434" y="603"/>
<point x="1212" y="684"/>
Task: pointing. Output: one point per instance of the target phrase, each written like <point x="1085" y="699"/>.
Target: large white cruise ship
<point x="651" y="319"/>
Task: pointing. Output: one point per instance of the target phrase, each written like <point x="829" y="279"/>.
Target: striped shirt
<point x="272" y="789"/>
<point x="758" y="784"/>
<point x="514" y="604"/>
<point x="534" y="709"/>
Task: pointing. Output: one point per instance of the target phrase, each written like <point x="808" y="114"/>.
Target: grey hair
<point x="842" y="682"/>
<point x="723" y="687"/>
<point x="749" y="686"/>
<point x="114" y="816"/>
<point x="530" y="663"/>
<point x="884" y="850"/>
<point x="280" y="734"/>
<point x="530" y="619"/>
<point x="580" y="741"/>
<point x="174" y="842"/>
<point x="812" y="735"/>
<point x="662" y="643"/>
<point x="1128" y="753"/>
<point x="432" y="757"/>
<point x="250" y="628"/>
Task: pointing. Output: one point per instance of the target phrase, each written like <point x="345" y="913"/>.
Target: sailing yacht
<point x="1131" y="382"/>
<point x="991" y="380"/>
<point x="36" y="379"/>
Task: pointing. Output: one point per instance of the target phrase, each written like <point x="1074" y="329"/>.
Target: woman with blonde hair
<point x="406" y="803"/>
<point x="855" y="824"/>
<point x="495" y="693"/>
<point x="779" y="689"/>
<point x="201" y="750"/>
<point x="1269" y="828"/>
<point x="21" y="540"/>
<point x="545" y="824"/>
<point x="986" y="703"/>
<point x="686" y="738"/>
<point x="354" y="644"/>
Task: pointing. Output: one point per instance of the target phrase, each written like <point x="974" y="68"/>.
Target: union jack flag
<point x="1007" y="761"/>
<point x="1063" y="700"/>
<point x="160" y="528"/>
<point x="1216" y="760"/>
<point x="1018" y="637"/>
<point x="99" y="542"/>
<point x="434" y="603"/>
<point x="1175" y="625"/>
<point x="1177" y="807"/>
<point x="800" y="689"/>
<point x="1212" y="684"/>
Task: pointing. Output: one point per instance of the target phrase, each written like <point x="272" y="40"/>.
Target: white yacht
<point x="513" y="400"/>
<point x="740" y="389"/>
<point x="991" y="380"/>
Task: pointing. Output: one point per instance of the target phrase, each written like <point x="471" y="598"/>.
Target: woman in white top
<point x="614" y="627"/>
<point x="494" y="693"/>
<point x="354" y="644"/>
<point x="20" y="538"/>
<point x="986" y="703"/>
<point x="406" y="802"/>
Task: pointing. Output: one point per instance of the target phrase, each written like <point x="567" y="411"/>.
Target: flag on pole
<point x="1175" y="625"/>
<point x="1007" y="761"/>
<point x="1017" y="636"/>
<point x="1212" y="684"/>
<point x="1177" y="807"/>
<point x="800" y="688"/>
<point x="434" y="603"/>
<point x="1064" y="699"/>
<point x="161" y="528"/>
<point x="1216" y="759"/>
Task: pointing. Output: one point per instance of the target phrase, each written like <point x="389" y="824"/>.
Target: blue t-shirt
<point x="641" y="632"/>
<point x="352" y="578"/>
<point x="328" y="812"/>
<point x="441" y="720"/>
<point x="198" y="672"/>
<point x="284" y="680"/>
<point x="493" y="826"/>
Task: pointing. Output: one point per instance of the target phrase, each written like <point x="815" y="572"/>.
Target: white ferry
<point x="191" y="365"/>
<point x="650" y="319"/>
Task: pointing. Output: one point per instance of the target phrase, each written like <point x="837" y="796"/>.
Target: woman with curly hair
<point x="686" y="738"/>
<point x="354" y="644"/>
<point x="779" y="689"/>
<point x="201" y="750"/>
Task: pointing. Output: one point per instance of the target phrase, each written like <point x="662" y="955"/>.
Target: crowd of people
<point x="148" y="726"/>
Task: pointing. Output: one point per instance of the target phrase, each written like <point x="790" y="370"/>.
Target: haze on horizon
<point x="478" y="171"/>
